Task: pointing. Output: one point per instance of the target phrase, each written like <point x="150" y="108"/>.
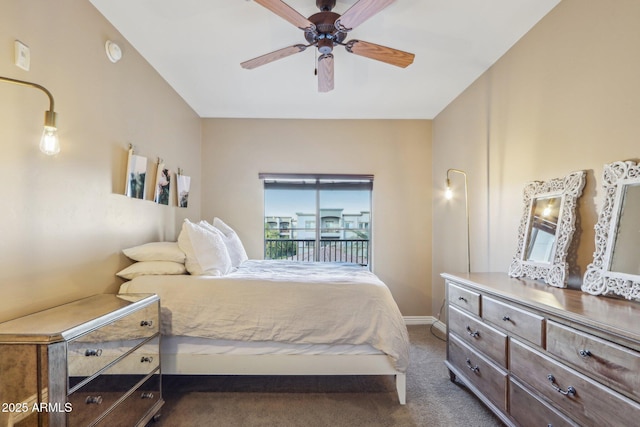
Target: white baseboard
<point x="426" y="320"/>
<point x="419" y="320"/>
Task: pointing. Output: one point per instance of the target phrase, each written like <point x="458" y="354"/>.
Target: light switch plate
<point x="22" y="55"/>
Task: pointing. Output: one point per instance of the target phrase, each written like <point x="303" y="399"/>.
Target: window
<point x="328" y="217"/>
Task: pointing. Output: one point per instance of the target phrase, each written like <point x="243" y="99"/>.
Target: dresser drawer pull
<point x="471" y="367"/>
<point x="584" y="353"/>
<point x="570" y="390"/>
<point x="95" y="400"/>
<point x="93" y="352"/>
<point x="147" y="323"/>
<point x="473" y="334"/>
<point x="146" y="395"/>
<point x="462" y="299"/>
<point x="146" y="359"/>
<point x="506" y="318"/>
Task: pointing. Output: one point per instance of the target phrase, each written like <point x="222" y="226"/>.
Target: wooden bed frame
<point x="212" y="364"/>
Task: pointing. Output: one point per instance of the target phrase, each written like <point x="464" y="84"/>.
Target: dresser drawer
<point x="464" y="298"/>
<point x="614" y="365"/>
<point x="86" y="354"/>
<point x="588" y="402"/>
<point x="91" y="399"/>
<point x="135" y="406"/>
<point x="529" y="411"/>
<point x="479" y="371"/>
<point x="488" y="340"/>
<point x="516" y="321"/>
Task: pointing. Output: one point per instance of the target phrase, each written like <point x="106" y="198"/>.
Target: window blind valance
<point x="319" y="181"/>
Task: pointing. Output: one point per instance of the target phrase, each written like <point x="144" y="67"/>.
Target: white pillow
<point x="146" y="268"/>
<point x="206" y="253"/>
<point x="234" y="244"/>
<point x="156" y="251"/>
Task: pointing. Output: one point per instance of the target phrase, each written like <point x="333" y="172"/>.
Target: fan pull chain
<point x="315" y="59"/>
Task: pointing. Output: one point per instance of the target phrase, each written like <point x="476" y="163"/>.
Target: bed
<point x="279" y="318"/>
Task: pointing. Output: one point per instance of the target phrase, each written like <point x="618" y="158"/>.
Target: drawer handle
<point x="93" y="352"/>
<point x="569" y="392"/>
<point x="146" y="395"/>
<point x="506" y="318"/>
<point x="475" y="334"/>
<point x="95" y="400"/>
<point x="147" y="359"/>
<point x="471" y="367"/>
<point x="584" y="353"/>
<point x="461" y="298"/>
<point x="147" y="323"/>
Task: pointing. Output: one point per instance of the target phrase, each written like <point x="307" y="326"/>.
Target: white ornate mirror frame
<point x="554" y="272"/>
<point x="599" y="279"/>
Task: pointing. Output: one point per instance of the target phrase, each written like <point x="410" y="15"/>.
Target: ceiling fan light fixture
<point x="325" y="45"/>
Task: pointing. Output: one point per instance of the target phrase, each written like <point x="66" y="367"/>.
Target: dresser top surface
<point x="609" y="314"/>
<point x="69" y="320"/>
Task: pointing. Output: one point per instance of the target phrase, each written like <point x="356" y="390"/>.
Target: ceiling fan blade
<point x="273" y="56"/>
<point x="380" y="53"/>
<point x="360" y="12"/>
<point x="325" y="73"/>
<point x="286" y="12"/>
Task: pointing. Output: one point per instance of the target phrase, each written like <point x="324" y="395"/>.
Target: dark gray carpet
<point x="432" y="399"/>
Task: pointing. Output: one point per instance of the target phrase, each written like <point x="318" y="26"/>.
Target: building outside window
<point x="318" y="218"/>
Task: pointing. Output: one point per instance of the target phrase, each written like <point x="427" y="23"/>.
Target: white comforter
<point x="310" y="303"/>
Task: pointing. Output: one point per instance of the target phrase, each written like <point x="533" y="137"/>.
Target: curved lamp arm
<point x="49" y="143"/>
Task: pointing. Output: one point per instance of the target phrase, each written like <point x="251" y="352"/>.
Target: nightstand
<point x="91" y="362"/>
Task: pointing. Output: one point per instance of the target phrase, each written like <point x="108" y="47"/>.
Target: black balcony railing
<point x="329" y="250"/>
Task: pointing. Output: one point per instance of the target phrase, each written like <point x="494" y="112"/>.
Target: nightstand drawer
<point x="516" y="321"/>
<point x="529" y="411"/>
<point x="588" y="402"/>
<point x="136" y="405"/>
<point x="464" y="298"/>
<point x="488" y="340"/>
<point x="479" y="371"/>
<point x="87" y="354"/>
<point x="91" y="399"/>
<point x="613" y="364"/>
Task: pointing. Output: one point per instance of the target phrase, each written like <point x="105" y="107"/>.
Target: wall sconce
<point x="448" y="195"/>
<point x="49" y="143"/>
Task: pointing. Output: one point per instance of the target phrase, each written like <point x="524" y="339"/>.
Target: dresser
<point x="543" y="356"/>
<point x="91" y="362"/>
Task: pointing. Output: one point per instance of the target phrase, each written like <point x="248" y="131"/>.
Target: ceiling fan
<point x="326" y="29"/>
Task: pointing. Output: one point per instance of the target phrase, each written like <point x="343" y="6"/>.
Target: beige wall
<point x="63" y="220"/>
<point x="566" y="97"/>
<point x="398" y="153"/>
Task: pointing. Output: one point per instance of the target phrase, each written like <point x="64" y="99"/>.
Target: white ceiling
<point x="197" y="47"/>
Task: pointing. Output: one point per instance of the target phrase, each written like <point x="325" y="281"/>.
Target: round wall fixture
<point x="114" y="53"/>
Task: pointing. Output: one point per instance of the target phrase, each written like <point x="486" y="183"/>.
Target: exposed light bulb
<point x="546" y="211"/>
<point x="448" y="194"/>
<point x="49" y="143"/>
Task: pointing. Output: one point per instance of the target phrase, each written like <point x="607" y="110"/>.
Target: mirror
<point x="546" y="229"/>
<point x="545" y="212"/>
<point x="616" y="261"/>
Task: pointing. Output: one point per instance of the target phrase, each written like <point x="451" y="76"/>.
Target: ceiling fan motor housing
<point x="325" y="35"/>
